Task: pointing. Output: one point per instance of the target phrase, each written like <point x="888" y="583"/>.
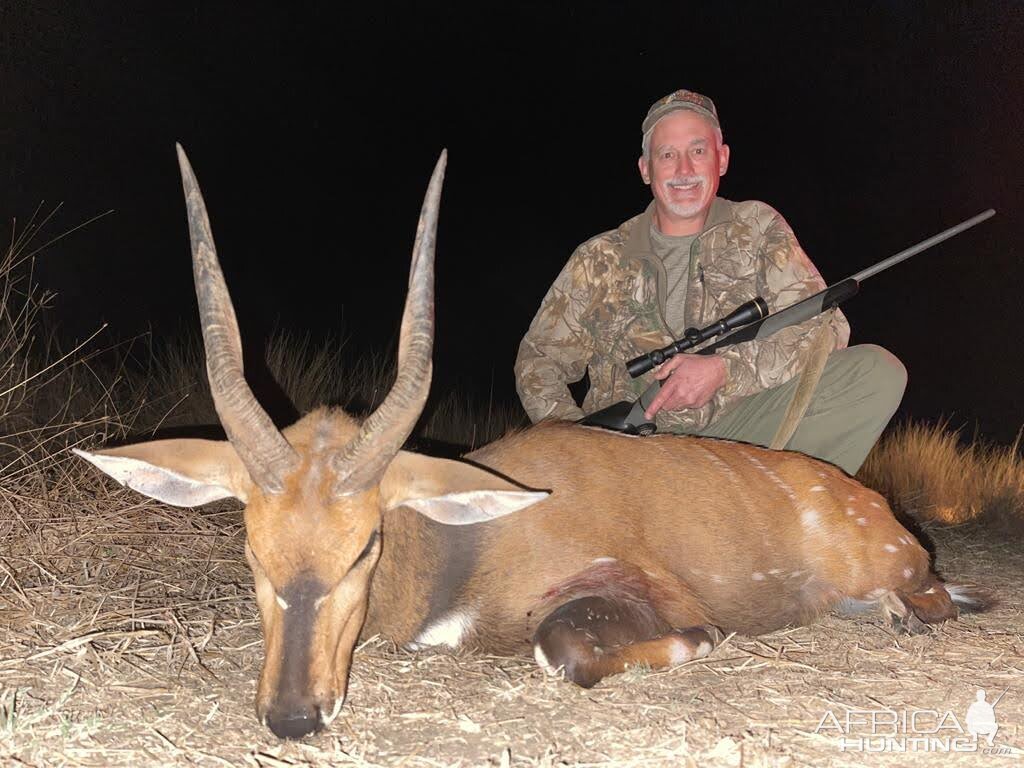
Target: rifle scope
<point x="745" y="314"/>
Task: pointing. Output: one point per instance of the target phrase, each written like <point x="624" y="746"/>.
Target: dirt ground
<point x="129" y="636"/>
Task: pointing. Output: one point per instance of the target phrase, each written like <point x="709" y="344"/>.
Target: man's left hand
<point x="688" y="381"/>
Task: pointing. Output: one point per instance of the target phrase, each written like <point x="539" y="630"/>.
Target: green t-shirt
<point x="674" y="252"/>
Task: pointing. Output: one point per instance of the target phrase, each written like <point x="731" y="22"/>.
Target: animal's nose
<point x="294" y="725"/>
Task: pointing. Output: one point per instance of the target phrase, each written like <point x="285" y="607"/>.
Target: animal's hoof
<point x="909" y="624"/>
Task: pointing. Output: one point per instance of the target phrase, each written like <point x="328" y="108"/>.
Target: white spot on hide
<point x="851" y="511"/>
<point x="809" y="518"/>
<point x="908" y="572"/>
<point x="282" y="602"/>
<point x="449" y="630"/>
<point x="890" y="548"/>
<point x="783" y="485"/>
<point x="862" y="521"/>
<point x="875" y="504"/>
<point x="818" y="488"/>
<point x="680" y="651"/>
<point x="599" y="560"/>
<point x="542" y="660"/>
<point x="757" y="576"/>
<point x="717" y="578"/>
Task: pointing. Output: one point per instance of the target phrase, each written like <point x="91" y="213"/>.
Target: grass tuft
<point x="928" y="472"/>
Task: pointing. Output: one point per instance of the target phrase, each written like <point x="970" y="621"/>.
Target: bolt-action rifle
<point x="749" y="322"/>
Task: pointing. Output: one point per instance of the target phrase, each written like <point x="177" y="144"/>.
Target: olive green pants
<point x="859" y="391"/>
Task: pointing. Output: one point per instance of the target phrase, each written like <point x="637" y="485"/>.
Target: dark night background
<point x="313" y="130"/>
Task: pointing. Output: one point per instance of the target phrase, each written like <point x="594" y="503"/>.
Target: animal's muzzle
<point x="294" y="724"/>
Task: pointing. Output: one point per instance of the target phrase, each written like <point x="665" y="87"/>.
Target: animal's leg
<point x="914" y="611"/>
<point x="592" y="637"/>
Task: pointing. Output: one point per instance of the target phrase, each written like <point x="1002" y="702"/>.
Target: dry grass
<point x="129" y="633"/>
<point x="928" y="472"/>
<point x="169" y="389"/>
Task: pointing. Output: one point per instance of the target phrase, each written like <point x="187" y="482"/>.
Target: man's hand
<point x="688" y="381"/>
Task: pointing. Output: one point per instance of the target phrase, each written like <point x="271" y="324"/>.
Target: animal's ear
<point x="185" y="473"/>
<point x="451" y="492"/>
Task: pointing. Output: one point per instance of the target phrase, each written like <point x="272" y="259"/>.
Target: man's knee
<point x="880" y="372"/>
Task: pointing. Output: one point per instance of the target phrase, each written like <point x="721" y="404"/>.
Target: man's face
<point x="685" y="166"/>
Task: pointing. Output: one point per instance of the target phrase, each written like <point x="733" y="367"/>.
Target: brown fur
<point x="675" y="533"/>
<point x="700" y="520"/>
<point x="703" y="517"/>
<point x="589" y="638"/>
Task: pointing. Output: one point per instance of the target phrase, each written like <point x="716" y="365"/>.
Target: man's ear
<point x="185" y="473"/>
<point x="645" y="169"/>
<point x="723" y="160"/>
<point x="451" y="492"/>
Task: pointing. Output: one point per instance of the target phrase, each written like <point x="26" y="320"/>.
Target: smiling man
<point x="689" y="259"/>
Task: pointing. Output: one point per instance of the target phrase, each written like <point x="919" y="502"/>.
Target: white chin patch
<point x="328" y="719"/>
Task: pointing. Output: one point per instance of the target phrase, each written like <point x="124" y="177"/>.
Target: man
<point x="687" y="260"/>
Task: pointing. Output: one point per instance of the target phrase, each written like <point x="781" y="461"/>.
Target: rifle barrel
<point x="924" y="245"/>
<point x="834" y="294"/>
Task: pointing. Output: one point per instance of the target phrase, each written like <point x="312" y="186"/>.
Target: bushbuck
<point x="595" y="550"/>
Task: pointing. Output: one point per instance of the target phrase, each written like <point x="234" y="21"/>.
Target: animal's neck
<point x="422" y="569"/>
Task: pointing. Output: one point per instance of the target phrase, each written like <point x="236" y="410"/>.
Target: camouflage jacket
<point x="607" y="306"/>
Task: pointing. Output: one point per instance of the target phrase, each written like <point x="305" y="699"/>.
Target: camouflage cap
<point x="681" y="99"/>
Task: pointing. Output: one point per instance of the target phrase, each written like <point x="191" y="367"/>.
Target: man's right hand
<point x="688" y="381"/>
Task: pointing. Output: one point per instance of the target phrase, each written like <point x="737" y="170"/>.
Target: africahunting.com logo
<point x="917" y="730"/>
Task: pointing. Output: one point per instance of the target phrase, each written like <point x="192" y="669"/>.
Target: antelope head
<point x="314" y="494"/>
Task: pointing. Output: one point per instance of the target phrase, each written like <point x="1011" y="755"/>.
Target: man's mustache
<point x="683" y="181"/>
